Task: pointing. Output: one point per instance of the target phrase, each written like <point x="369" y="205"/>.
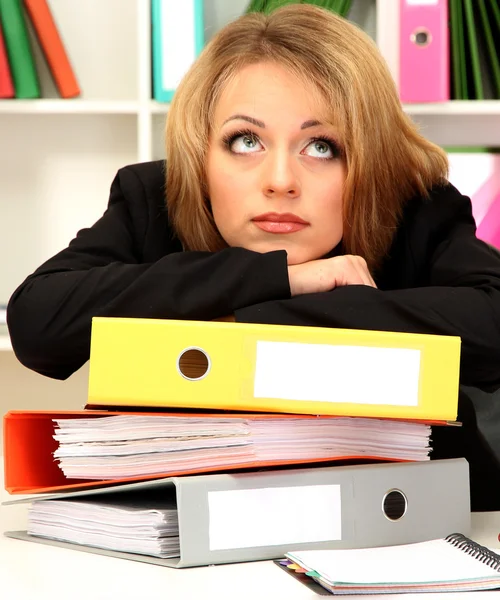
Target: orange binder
<point x="6" y="84"/>
<point x="53" y="47"/>
<point x="31" y="468"/>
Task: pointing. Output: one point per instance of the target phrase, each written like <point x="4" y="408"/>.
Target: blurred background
<point x="67" y="127"/>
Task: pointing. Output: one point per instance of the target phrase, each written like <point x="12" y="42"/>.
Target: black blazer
<point x="437" y="278"/>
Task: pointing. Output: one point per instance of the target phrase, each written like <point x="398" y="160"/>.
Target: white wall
<point x="56" y="169"/>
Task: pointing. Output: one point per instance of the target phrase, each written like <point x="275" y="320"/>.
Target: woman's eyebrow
<point x="258" y="123"/>
<point x="310" y="123"/>
<point x="251" y="120"/>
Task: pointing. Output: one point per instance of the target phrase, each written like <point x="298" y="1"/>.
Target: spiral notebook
<point x="455" y="563"/>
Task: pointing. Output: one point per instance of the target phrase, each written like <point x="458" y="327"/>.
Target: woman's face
<point x="274" y="167"/>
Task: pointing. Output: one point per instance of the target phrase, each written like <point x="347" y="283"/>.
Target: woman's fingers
<point x="326" y="274"/>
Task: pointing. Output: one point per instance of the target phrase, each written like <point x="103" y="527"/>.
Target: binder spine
<point x="177" y="39"/>
<point x="53" y="47"/>
<point x="22" y="64"/>
<point x="480" y="553"/>
<point x="6" y="85"/>
<point x="424" y="52"/>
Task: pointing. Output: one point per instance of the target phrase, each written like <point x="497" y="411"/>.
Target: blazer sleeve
<point x="460" y="297"/>
<point x="101" y="273"/>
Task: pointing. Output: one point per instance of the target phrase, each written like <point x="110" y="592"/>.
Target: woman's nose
<point x="280" y="178"/>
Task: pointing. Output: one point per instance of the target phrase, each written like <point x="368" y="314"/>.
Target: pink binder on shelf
<point x="477" y="175"/>
<point x="488" y="229"/>
<point x="424" y="51"/>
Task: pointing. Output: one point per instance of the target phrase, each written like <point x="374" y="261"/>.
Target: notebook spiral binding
<point x="475" y="550"/>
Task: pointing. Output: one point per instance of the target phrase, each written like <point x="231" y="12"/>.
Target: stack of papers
<point x="114" y="447"/>
<point x="127" y="522"/>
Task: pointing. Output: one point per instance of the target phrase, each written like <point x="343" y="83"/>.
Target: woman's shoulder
<point x="441" y="202"/>
<point x="145" y="178"/>
<point x="427" y="221"/>
<point x="440" y="209"/>
<point x="141" y="186"/>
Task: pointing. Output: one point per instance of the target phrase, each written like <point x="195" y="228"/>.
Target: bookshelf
<point x="58" y="157"/>
<point x="456" y="108"/>
<point x="459" y="123"/>
<point x="77" y="107"/>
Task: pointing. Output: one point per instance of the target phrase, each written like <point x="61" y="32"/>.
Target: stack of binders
<point x="262" y="438"/>
<point x="448" y="49"/>
<point x="18" y="74"/>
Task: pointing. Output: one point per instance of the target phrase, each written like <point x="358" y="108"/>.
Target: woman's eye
<point x="319" y="149"/>
<point x="244" y="144"/>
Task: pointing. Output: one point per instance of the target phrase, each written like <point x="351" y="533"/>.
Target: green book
<point x="329" y="4"/>
<point x="21" y="61"/>
<point x="267" y="6"/>
<point x="495" y="9"/>
<point x="474" y="79"/>
<point x="344" y="8"/>
<point x="489" y="12"/>
<point x="458" y="68"/>
<point x="256" y="6"/>
<point x="340" y="7"/>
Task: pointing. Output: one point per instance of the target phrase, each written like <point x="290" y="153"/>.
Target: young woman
<point x="295" y="191"/>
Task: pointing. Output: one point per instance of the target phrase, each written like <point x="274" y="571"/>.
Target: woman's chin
<point x="293" y="259"/>
<point x="296" y="255"/>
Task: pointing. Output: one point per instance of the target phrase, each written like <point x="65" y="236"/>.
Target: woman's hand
<point x="326" y="274"/>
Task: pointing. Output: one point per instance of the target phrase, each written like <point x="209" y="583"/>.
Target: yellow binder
<point x="273" y="368"/>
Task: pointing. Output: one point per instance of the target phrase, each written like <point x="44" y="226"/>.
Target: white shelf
<point x="69" y="106"/>
<point x="61" y="155"/>
<point x="124" y="107"/>
<point x="455" y="108"/>
<point x="159" y="108"/>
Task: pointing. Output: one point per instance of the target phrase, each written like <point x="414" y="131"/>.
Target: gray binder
<point x="225" y="518"/>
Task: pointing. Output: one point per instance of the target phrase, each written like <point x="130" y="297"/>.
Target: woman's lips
<point x="280" y="223"/>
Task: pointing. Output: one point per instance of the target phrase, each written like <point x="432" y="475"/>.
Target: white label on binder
<point x="178" y="45"/>
<point x="325" y="373"/>
<point x="274" y="516"/>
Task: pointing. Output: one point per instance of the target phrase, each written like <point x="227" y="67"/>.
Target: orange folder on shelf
<point x="30" y="467"/>
<point x="6" y="84"/>
<point x="53" y="47"/>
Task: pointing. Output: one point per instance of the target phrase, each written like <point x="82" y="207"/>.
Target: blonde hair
<point x="387" y="160"/>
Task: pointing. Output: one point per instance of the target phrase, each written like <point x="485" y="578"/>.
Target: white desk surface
<point x="30" y="571"/>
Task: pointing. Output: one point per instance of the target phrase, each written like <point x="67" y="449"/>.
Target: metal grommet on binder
<point x="421" y="37"/>
<point x="394" y="505"/>
<point x="193" y="363"/>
